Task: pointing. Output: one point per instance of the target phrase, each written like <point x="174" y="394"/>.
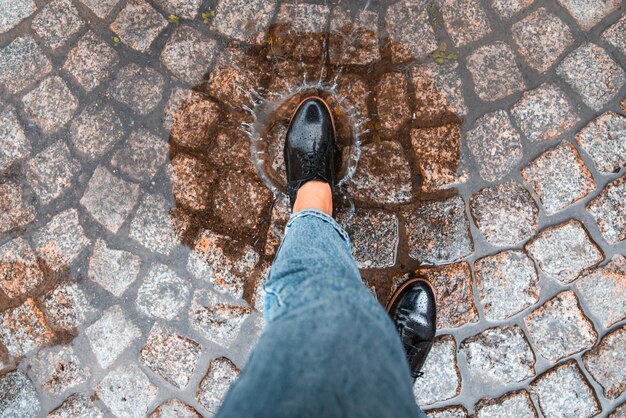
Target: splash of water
<point x="264" y="111"/>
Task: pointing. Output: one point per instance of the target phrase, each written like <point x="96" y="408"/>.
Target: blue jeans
<point x="329" y="349"/>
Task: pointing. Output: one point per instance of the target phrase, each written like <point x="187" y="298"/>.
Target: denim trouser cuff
<point x="324" y="217"/>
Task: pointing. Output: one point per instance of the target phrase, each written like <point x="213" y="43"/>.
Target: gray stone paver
<point x="50" y="105"/>
<point x="77" y="405"/>
<point x="516" y="404"/>
<point x="563" y="251"/>
<point x="495" y="72"/>
<point x="127" y="391"/>
<point x="604" y="139"/>
<point x="495" y="144"/>
<point x="564" y="392"/>
<point x="59" y="370"/>
<point x="67" y="307"/>
<point x="505" y="214"/>
<point x="608" y="210"/>
<point x="441" y="380"/>
<point x="139" y="88"/>
<point x="57" y="22"/>
<point x="61" y="240"/>
<point x="113" y="269"/>
<point x="465" y="20"/>
<point x="162" y="293"/>
<point x="410" y="34"/>
<point x="213" y="387"/>
<point x="507" y="283"/>
<point x="90" y="61"/>
<point x="593" y="74"/>
<point x="141" y="156"/>
<point x="22" y="63"/>
<point x="109" y="198"/>
<point x="95" y="130"/>
<point x="14" y="12"/>
<point x="171" y="97"/>
<point x="560" y="328"/>
<point x="502" y="355"/>
<point x="605" y="366"/>
<point x="52" y="172"/>
<point x="589" y="13"/>
<point x="509" y="8"/>
<point x="544" y="113"/>
<point x="603" y="289"/>
<point x="559" y="177"/>
<point x="171" y="356"/>
<point x="110" y="335"/>
<point x="138" y="24"/>
<point x="616" y="35"/>
<point x="188" y="54"/>
<point x="18" y="396"/>
<point x="14" y="145"/>
<point x="174" y="408"/>
<point x="541" y="38"/>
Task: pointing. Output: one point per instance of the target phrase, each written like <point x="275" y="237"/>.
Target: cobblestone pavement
<point x="484" y="148"/>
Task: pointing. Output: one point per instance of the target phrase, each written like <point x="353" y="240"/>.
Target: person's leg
<point x="329" y="348"/>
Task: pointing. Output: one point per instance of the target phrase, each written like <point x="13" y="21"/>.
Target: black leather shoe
<point x="413" y="310"/>
<point x="310" y="146"/>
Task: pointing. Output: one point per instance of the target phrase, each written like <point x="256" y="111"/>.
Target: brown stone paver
<point x="481" y="145"/>
<point x="438" y="151"/>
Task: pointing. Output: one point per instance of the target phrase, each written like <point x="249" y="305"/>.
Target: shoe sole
<point x="332" y="118"/>
<point x="399" y="290"/>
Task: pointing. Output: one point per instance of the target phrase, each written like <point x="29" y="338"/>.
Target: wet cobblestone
<point x="141" y="173"/>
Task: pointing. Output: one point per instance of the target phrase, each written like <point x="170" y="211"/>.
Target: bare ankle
<point x="314" y="194"/>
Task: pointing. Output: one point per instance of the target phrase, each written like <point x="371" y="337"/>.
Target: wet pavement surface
<point x="483" y="147"/>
